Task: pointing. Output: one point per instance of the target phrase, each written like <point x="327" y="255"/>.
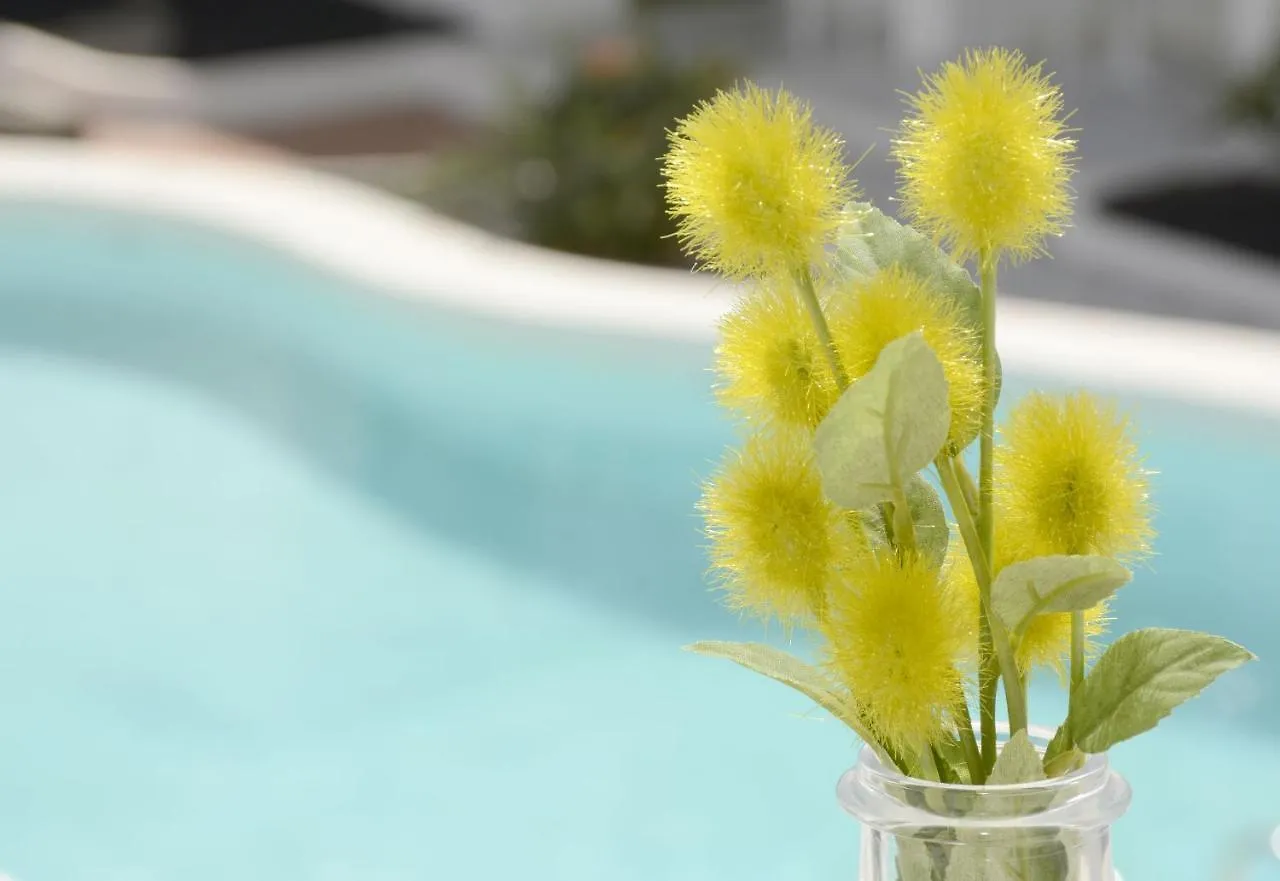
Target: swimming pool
<point x="303" y="583"/>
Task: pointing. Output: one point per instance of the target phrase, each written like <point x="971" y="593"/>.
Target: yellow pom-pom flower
<point x="776" y="541"/>
<point x="772" y="366"/>
<point x="897" y="635"/>
<point x="984" y="161"/>
<point x="1069" y="480"/>
<point x="755" y="186"/>
<point x="873" y="312"/>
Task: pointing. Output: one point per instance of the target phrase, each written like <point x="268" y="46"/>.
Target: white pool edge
<point x="391" y="245"/>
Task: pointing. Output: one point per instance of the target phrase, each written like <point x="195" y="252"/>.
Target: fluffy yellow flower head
<point x="897" y="634"/>
<point x="984" y="159"/>
<point x="772" y="366"/>
<point x="776" y="540"/>
<point x="874" y="312"/>
<point x="1069" y="480"/>
<point x="756" y="187"/>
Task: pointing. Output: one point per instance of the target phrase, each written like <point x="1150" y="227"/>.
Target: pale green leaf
<point x="1018" y="762"/>
<point x="1053" y="584"/>
<point x="887" y="426"/>
<point x="1142" y="677"/>
<point x="933" y="533"/>
<point x="805" y="678"/>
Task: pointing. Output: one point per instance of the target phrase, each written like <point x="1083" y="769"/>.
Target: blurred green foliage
<point x="1256" y="99"/>
<point x="578" y="171"/>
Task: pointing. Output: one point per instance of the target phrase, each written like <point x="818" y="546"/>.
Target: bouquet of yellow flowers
<point x="862" y="364"/>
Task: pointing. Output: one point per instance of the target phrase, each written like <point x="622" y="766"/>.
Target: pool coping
<point x="393" y="245"/>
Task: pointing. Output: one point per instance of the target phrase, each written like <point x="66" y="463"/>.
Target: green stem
<point x="986" y="514"/>
<point x="1077" y="669"/>
<point x="988" y="664"/>
<point x="972" y="757"/>
<point x="965" y="522"/>
<point x="1014" y="693"/>
<point x="808" y="293"/>
<point x="967" y="486"/>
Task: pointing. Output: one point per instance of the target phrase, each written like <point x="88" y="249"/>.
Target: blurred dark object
<point x="199" y="29"/>
<point x="1239" y="210"/>
<point x="216" y="28"/>
<point x="38" y="12"/>
<point x="579" y="171"/>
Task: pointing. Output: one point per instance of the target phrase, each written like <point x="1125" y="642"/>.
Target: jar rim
<point x="1095" y="765"/>
<point x="882" y="797"/>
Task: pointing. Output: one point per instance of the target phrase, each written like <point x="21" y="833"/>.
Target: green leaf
<point x="887" y="426"/>
<point x="933" y="533"/>
<point x="1142" y="677"/>
<point x="804" y="678"/>
<point x="876" y="241"/>
<point x="1018" y="762"/>
<point x="1053" y="584"/>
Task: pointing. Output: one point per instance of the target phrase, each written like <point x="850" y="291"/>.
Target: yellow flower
<point x="757" y="188"/>
<point x="1069" y="480"/>
<point x="897" y="635"/>
<point x="874" y="312"/>
<point x="771" y="364"/>
<point x="984" y="161"/>
<point x="776" y="540"/>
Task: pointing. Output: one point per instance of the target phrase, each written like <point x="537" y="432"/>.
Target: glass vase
<point x="918" y="830"/>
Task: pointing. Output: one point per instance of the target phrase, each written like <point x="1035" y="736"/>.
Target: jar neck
<point x="882" y="798"/>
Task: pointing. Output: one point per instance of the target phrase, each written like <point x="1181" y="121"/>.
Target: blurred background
<point x="356" y="402"/>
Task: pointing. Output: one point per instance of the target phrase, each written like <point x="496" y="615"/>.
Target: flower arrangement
<point x="862" y="365"/>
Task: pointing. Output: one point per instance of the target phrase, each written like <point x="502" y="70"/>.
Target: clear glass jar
<point x="916" y="830"/>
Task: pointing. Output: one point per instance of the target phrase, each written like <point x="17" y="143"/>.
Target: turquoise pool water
<point x="299" y="584"/>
